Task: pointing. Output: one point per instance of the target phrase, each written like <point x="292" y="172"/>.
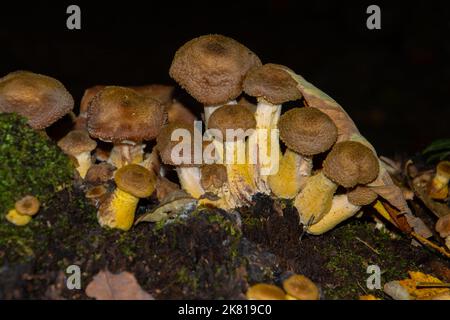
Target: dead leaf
<point x="122" y="286"/>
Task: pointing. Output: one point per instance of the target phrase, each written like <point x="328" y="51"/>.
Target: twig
<point x="430" y="244"/>
<point x="368" y="245"/>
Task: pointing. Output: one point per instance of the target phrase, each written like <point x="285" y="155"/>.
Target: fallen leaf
<point x="122" y="286"/>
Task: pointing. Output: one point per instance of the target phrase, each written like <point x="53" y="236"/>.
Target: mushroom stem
<point x="341" y="209"/>
<point x="190" y="180"/>
<point x="124" y="153"/>
<point x="118" y="210"/>
<point x="84" y="163"/>
<point x="291" y="176"/>
<point x="315" y="199"/>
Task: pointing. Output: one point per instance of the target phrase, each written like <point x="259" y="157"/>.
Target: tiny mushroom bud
<point x="78" y="144"/>
<point x="236" y="123"/>
<point x="439" y="184"/>
<point x="361" y="196"/>
<point x="41" y="99"/>
<point x="262" y="291"/>
<point x="301" y="288"/>
<point x="211" y="68"/>
<point x="28" y="205"/>
<point x="133" y="182"/>
<point x="126" y="118"/>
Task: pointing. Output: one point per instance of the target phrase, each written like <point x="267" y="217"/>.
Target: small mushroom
<point x="100" y="173"/>
<point x="263" y="291"/>
<point x="439" y="184"/>
<point x="133" y="182"/>
<point x="234" y="122"/>
<point x="78" y="144"/>
<point x="89" y="94"/>
<point x="41" y="99"/>
<point x="23" y="210"/>
<point x="361" y="196"/>
<point x="300" y="287"/>
<point x="211" y="68"/>
<point x="126" y="118"/>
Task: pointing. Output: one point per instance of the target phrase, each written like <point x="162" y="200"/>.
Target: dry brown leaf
<point x="122" y="286"/>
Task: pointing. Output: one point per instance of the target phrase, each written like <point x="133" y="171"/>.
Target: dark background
<point x="393" y="82"/>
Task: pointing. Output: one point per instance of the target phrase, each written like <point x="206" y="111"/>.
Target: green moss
<point x="31" y="164"/>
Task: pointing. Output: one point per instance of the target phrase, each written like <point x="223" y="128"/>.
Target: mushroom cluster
<point x="240" y="152"/>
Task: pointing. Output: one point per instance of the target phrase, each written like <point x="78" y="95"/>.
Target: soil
<point x="204" y="254"/>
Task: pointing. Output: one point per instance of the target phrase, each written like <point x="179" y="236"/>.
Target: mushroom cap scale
<point x="211" y="68"/>
<point x="28" y="205"/>
<point x="272" y="83"/>
<point x="135" y="180"/>
<point x="120" y="114"/>
<point x="232" y="117"/>
<point x="76" y="142"/>
<point x="307" y="130"/>
<point x="350" y="163"/>
<point x="39" y="98"/>
<point x="361" y="196"/>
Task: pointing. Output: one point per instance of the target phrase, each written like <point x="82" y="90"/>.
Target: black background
<point x="393" y="82"/>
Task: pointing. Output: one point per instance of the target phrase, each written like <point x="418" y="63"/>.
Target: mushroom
<point x="177" y="112"/>
<point x="263" y="291"/>
<point x="133" y="182"/>
<point x="299" y="287"/>
<point x="162" y="93"/>
<point x="234" y="123"/>
<point x="348" y="164"/>
<point x="182" y="155"/>
<point x="89" y="94"/>
<point x="78" y="144"/>
<point x="211" y="68"/>
<point x="96" y="194"/>
<point x="439" y="184"/>
<point x="41" y="99"/>
<point x="272" y="86"/>
<point x="361" y="196"/>
<point x="23" y="210"/>
<point x="306" y="132"/>
<point x="100" y="173"/>
<point x="215" y="182"/>
<point x="126" y="118"/>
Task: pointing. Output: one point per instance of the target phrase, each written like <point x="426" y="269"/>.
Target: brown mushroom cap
<point x="271" y="82"/>
<point x="232" y="117"/>
<point x="135" y="180"/>
<point x="307" y="130"/>
<point x="164" y="143"/>
<point x="212" y="68"/>
<point x="28" y="205"/>
<point x="300" y="287"/>
<point x="213" y="176"/>
<point x="177" y="112"/>
<point x="88" y="95"/>
<point x="263" y="291"/>
<point x="361" y="196"/>
<point x="162" y="93"/>
<point x="96" y="192"/>
<point x="443" y="169"/>
<point x="350" y="163"/>
<point x="443" y="226"/>
<point x="41" y="99"/>
<point x="120" y="114"/>
<point x="76" y="142"/>
<point x="99" y="173"/>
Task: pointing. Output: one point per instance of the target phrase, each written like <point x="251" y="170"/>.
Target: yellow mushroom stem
<point x="126" y="153"/>
<point x="291" y="176"/>
<point x="315" y="199"/>
<point x="190" y="180"/>
<point x="439" y="184"/>
<point x="341" y="209"/>
<point x="16" y="218"/>
<point x="84" y="160"/>
<point x="267" y="116"/>
<point x="118" y="210"/>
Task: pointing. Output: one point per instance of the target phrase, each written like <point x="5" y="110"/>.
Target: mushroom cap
<point x="96" y="192"/>
<point x="263" y="291"/>
<point x="164" y="143"/>
<point x="361" y="196"/>
<point x="162" y="93"/>
<point x="28" y="205"/>
<point x="88" y="95"/>
<point x="301" y="287"/>
<point x="100" y="173"/>
<point x="135" y="180"/>
<point x="307" y="130"/>
<point x="121" y="114"/>
<point x="271" y="82"/>
<point x="40" y="99"/>
<point x="443" y="226"/>
<point x="232" y="117"/>
<point x="76" y="142"/>
<point x="177" y="112"/>
<point x="213" y="176"/>
<point x="350" y="163"/>
<point x="443" y="169"/>
<point x="211" y="68"/>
